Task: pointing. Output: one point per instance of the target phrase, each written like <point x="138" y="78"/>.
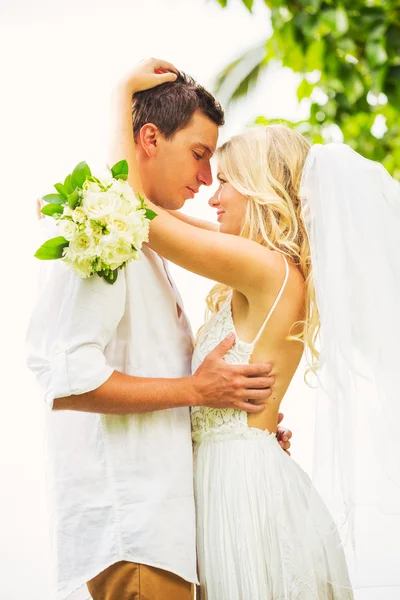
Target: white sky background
<point x="59" y="62"/>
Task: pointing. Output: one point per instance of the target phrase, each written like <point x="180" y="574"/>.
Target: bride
<point x="263" y="530"/>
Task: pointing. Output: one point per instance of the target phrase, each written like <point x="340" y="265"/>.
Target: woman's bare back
<point x="273" y="347"/>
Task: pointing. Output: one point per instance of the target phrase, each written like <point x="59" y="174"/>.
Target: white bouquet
<point x="102" y="224"/>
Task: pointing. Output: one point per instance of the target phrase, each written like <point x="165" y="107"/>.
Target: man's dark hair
<point x="171" y="106"/>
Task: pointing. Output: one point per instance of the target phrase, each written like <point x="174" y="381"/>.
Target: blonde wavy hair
<point x="265" y="165"/>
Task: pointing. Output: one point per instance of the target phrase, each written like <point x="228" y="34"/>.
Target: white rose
<point x="82" y="245"/>
<point x="141" y="235"/>
<point x="114" y="250"/>
<point x="137" y="218"/>
<point x="100" y="204"/>
<point x="93" y="230"/>
<point x="82" y="267"/>
<point x="118" y="223"/>
<point x="91" y="186"/>
<point x="126" y="206"/>
<point x="140" y="227"/>
<point x="67" y="228"/>
<point x="105" y="177"/>
<point x="123" y="188"/>
<point x="78" y="215"/>
<point x="133" y="227"/>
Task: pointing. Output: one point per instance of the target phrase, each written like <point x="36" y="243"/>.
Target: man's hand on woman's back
<point x="218" y="384"/>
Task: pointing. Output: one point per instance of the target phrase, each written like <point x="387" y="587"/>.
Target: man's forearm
<point x="124" y="394"/>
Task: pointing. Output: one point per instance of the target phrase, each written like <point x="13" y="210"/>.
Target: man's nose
<point x="205" y="175"/>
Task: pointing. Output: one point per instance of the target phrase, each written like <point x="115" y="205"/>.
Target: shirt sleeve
<point x="73" y="321"/>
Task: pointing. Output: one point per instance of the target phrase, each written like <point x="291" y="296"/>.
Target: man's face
<point x="177" y="167"/>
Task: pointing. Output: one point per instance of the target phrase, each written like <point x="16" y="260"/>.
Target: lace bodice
<point x="207" y="422"/>
<point x="215" y="422"/>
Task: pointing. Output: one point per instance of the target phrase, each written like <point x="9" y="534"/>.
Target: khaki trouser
<point x="132" y="581"/>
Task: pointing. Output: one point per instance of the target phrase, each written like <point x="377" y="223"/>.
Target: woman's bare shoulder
<point x="274" y="275"/>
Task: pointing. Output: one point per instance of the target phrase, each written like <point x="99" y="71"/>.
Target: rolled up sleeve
<point x="73" y="321"/>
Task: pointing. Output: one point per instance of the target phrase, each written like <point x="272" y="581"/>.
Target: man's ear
<point x="149" y="136"/>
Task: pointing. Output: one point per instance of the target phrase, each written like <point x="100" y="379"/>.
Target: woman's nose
<point x="214" y="200"/>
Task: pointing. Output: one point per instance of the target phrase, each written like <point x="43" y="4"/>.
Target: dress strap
<point x="275" y="303"/>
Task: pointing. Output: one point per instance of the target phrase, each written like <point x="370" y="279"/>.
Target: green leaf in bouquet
<point x="150" y="214"/>
<point x="69" y="188"/>
<point x="141" y="200"/>
<point x="61" y="190"/>
<point x="120" y="168"/>
<point x="74" y="199"/>
<point x="52" y="209"/>
<point x="80" y="174"/>
<point x="121" y="176"/>
<point x="53" y="199"/>
<point x="52" y="249"/>
<point x="96" y="223"/>
<point x="109" y="275"/>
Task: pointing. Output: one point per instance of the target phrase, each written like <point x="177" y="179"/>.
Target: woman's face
<point x="230" y="206"/>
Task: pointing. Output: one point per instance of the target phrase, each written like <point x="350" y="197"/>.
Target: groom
<point x="114" y="362"/>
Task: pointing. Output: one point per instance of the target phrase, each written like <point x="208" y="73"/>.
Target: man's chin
<point x="170" y="204"/>
<point x="181" y="205"/>
<point x="177" y="203"/>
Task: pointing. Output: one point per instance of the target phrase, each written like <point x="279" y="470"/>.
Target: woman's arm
<point x="146" y="75"/>
<point x="193" y="220"/>
<point x="122" y="142"/>
<point x="238" y="262"/>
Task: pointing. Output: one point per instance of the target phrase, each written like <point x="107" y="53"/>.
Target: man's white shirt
<point x="120" y="487"/>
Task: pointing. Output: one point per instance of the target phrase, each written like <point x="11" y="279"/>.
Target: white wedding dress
<point x="263" y="531"/>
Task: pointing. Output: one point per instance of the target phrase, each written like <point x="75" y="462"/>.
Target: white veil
<point x="352" y="211"/>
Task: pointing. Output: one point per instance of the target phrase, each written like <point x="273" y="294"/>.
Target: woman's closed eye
<point x="197" y="156"/>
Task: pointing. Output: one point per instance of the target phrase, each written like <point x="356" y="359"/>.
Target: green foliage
<point x="79" y="175"/>
<point x="62" y="191"/>
<point x="348" y="54"/>
<point x="52" y="209"/>
<point x="150" y="214"/>
<point x="52" y="249"/>
<point x="74" y="199"/>
<point x="53" y="198"/>
<point x="120" y="170"/>
<point x="69" y="188"/>
<point x="109" y="275"/>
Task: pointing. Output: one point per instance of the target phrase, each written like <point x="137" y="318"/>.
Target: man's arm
<point x="214" y="384"/>
<point x="73" y="322"/>
<point x="124" y="394"/>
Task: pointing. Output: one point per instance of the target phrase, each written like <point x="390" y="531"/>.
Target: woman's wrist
<point x="123" y="93"/>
